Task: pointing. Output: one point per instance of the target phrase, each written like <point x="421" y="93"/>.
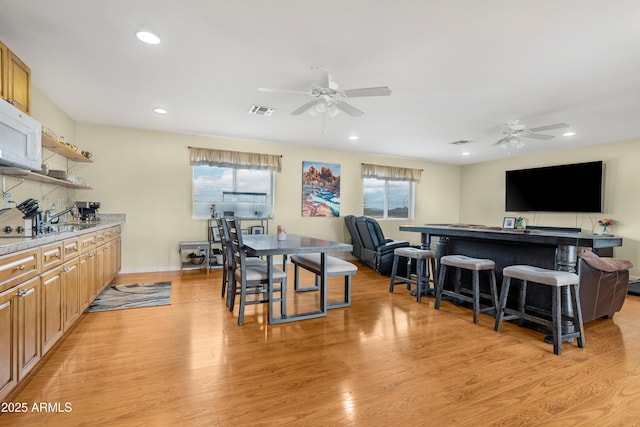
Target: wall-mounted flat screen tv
<point x="566" y="188"/>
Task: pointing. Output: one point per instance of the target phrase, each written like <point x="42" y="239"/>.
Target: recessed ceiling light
<point x="569" y="133"/>
<point x="466" y="153"/>
<point x="160" y="110"/>
<point x="148" y="37"/>
<point x="354" y="137"/>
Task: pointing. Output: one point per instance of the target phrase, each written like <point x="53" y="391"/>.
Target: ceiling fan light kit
<point x="328" y="98"/>
<point x="514" y="130"/>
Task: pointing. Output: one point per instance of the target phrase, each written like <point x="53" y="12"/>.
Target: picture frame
<point x="509" y="222"/>
<point x="244" y="231"/>
<point x="257" y="229"/>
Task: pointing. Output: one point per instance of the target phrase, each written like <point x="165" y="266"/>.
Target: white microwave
<point x="20" y="139"/>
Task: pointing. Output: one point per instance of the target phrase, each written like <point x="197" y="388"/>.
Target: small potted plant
<point x="195" y="258"/>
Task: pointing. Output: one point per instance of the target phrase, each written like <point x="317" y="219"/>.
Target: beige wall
<point x="147" y="176"/>
<point x="482" y="194"/>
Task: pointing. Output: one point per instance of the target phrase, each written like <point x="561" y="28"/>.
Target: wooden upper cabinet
<point x="15" y="80"/>
<point x="4" y="57"/>
<point x="19" y="83"/>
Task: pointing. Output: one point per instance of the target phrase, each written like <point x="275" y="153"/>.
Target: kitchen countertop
<point x="68" y="230"/>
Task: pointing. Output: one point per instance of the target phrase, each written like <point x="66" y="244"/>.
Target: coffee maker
<point x="88" y="211"/>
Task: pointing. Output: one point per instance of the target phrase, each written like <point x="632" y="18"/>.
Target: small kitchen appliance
<point x="88" y="211"/>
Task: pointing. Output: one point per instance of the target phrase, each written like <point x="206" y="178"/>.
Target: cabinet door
<point x="28" y="298"/>
<point x="8" y="343"/>
<point x="4" y="56"/>
<point x="51" y="308"/>
<point x="18" y="83"/>
<point x="71" y="292"/>
<point x="87" y="280"/>
<point x="106" y="267"/>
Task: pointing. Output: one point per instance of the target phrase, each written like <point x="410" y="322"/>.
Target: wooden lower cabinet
<point x="88" y="287"/>
<point x="8" y="343"/>
<point x="71" y="292"/>
<point x="19" y="333"/>
<point x="51" y="308"/>
<point x="37" y="309"/>
<point x="28" y="297"/>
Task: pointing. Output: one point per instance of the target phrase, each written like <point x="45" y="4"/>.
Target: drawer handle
<point x="21" y="267"/>
<point x="92" y="255"/>
<point x="24" y="293"/>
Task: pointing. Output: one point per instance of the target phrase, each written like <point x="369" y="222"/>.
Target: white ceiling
<point x="458" y="69"/>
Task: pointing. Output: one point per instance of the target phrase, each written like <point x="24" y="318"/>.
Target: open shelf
<point x="33" y="176"/>
<point x="51" y="144"/>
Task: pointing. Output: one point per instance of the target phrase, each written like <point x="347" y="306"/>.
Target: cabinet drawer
<point x="71" y="248"/>
<point x="52" y="255"/>
<point x="115" y="232"/>
<point x="103" y="236"/>
<point x="88" y="242"/>
<point x="18" y="267"/>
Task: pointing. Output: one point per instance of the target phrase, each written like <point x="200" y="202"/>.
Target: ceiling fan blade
<point x="299" y="92"/>
<point x="499" y="142"/>
<point x="305" y="107"/>
<point x="367" y="91"/>
<point x="349" y="109"/>
<point x="539" y="136"/>
<point x="549" y="127"/>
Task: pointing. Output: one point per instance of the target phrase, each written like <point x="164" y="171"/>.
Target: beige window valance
<point x="391" y="172"/>
<point x="234" y="159"/>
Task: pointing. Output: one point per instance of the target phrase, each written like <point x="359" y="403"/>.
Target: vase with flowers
<point x="605" y="223"/>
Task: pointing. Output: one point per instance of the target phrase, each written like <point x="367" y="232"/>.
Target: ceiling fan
<point x="329" y="98"/>
<point x="514" y="130"/>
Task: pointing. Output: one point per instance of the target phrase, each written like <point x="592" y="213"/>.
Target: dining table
<point x="268" y="246"/>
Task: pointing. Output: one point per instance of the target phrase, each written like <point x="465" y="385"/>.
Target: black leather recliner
<point x="376" y="251"/>
<point x="356" y="241"/>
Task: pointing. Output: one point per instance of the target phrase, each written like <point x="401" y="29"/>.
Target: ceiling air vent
<point x="261" y="111"/>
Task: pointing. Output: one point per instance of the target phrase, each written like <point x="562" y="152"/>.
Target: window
<point x="388" y="199"/>
<point x="209" y="183"/>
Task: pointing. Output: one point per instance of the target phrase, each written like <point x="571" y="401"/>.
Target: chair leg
<point x="418" y="279"/>
<point x="494" y="289"/>
<point x="577" y="313"/>
<point x="456" y="283"/>
<point x="556" y="314"/>
<point x="506" y="282"/>
<point x="394" y="270"/>
<point x="224" y="280"/>
<point x="439" y="285"/>
<point x="243" y="302"/>
<point x="476" y="295"/>
<point x="231" y="293"/>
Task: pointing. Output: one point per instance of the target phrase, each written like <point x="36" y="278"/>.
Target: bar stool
<point x="475" y="265"/>
<point x="422" y="269"/>
<point x="557" y="280"/>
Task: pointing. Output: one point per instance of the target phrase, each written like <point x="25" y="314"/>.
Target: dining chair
<point x="230" y="265"/>
<point x="251" y="275"/>
<point x="225" y="259"/>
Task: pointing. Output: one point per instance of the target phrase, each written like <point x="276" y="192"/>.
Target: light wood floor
<point x="386" y="360"/>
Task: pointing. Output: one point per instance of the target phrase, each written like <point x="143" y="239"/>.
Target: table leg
<point x="323" y="283"/>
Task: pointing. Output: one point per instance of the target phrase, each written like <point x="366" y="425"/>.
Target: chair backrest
<point x="356" y="240"/>
<point x="370" y="232"/>
<point x="235" y="242"/>
<point x="223" y="231"/>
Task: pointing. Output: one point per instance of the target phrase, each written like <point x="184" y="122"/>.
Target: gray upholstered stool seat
<point x="475" y="265"/>
<point x="422" y="269"/>
<point x="335" y="267"/>
<point x="555" y="279"/>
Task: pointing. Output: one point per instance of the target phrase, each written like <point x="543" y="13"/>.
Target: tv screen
<point x="565" y="188"/>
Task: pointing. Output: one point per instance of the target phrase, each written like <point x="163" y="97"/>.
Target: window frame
<point x="234" y="188"/>
<point x="385" y="210"/>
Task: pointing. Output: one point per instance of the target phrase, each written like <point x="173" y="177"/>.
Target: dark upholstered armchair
<point x="356" y="241"/>
<point x="603" y="284"/>
<point x="376" y="251"/>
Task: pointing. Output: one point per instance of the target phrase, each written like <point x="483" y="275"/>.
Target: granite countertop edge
<point x="10" y="245"/>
